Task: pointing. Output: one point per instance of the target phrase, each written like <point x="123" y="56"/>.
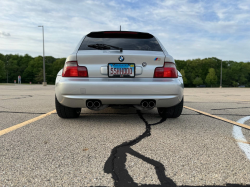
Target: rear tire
<point x="171" y="112"/>
<point x="67" y="112"/>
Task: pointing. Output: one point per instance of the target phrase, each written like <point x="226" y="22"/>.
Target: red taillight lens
<point x="167" y="71"/>
<point x="159" y="72"/>
<point x="82" y="71"/>
<point x="71" y="69"/>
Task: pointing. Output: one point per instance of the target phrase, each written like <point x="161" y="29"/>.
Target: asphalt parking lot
<point x="124" y="147"/>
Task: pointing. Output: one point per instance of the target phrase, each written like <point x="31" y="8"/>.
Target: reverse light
<point x="71" y="69"/>
<point x="167" y="71"/>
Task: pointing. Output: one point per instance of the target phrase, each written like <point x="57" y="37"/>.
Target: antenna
<point x="120" y="28"/>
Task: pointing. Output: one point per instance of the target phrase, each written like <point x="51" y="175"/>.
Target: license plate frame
<point x="121" y="65"/>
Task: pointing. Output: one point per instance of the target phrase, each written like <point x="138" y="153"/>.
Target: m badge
<point x="157" y="59"/>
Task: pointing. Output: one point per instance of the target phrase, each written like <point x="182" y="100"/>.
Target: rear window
<point x="124" y="40"/>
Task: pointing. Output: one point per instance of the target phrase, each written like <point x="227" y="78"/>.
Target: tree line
<point x="207" y="72"/>
<point x="30" y="68"/>
<point x="195" y="72"/>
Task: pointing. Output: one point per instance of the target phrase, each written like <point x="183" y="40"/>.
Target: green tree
<point x="57" y="66"/>
<point x="2" y="69"/>
<point x="235" y="84"/>
<point x="211" y="78"/>
<point x="198" y="81"/>
<point x="234" y="73"/>
<point x="23" y="64"/>
<point x="33" y="69"/>
<point x="183" y="76"/>
<point x="49" y="60"/>
<point x="39" y="76"/>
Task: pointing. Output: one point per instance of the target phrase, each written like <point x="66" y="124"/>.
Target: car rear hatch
<point x="101" y="49"/>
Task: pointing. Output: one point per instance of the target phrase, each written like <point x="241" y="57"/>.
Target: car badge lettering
<point x="144" y="64"/>
<point x="121" y="58"/>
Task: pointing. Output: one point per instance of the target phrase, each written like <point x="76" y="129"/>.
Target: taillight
<point x="167" y="71"/>
<point x="82" y="71"/>
<point x="71" y="69"/>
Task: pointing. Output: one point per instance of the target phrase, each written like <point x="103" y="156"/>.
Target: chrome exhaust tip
<point x="147" y="104"/>
<point x="144" y="104"/>
<point x="90" y="104"/>
<point x="151" y="104"/>
<point x="97" y="104"/>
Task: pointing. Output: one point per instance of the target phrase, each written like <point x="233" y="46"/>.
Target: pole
<point x="221" y="75"/>
<point x="44" y="77"/>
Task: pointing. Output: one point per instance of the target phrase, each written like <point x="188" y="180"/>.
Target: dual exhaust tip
<point x="148" y="104"/>
<point x="97" y="104"/>
<point x="93" y="104"/>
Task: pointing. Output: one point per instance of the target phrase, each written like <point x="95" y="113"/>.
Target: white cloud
<point x="4" y="34"/>
<point x="187" y="29"/>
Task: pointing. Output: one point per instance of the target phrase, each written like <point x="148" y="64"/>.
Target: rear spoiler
<point x="120" y="34"/>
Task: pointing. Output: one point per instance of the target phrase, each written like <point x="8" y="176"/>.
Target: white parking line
<point x="238" y="135"/>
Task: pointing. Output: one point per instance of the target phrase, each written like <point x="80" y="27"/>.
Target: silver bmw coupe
<point x="119" y="69"/>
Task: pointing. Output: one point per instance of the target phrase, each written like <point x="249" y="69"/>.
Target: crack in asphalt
<point x="226" y="185"/>
<point x="4" y="107"/>
<point x="116" y="162"/>
<point x="197" y="114"/>
<point x="87" y="113"/>
<point x="238" y="102"/>
<point x="135" y="114"/>
<point x="228" y="108"/>
<point x="20" y="112"/>
<point x="115" y="165"/>
<point x="231" y="114"/>
<point x="24" y="96"/>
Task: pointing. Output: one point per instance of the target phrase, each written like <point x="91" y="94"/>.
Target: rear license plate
<point x="121" y="70"/>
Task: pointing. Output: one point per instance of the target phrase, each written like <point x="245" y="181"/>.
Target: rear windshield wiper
<point x="104" y="46"/>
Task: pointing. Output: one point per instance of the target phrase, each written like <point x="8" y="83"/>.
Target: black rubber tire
<point x="171" y="112"/>
<point x="67" y="112"/>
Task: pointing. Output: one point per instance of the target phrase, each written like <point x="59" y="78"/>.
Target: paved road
<point x="123" y="147"/>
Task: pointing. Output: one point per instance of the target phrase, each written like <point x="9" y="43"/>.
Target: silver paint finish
<point x="166" y="92"/>
<point x="95" y="59"/>
<point x="73" y="92"/>
<point x="138" y="70"/>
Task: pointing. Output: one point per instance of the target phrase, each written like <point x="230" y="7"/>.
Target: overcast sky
<point x="187" y="28"/>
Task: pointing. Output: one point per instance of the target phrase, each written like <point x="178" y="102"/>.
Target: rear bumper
<point x="74" y="92"/>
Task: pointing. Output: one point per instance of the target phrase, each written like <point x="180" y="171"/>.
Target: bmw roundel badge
<point x="121" y="58"/>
